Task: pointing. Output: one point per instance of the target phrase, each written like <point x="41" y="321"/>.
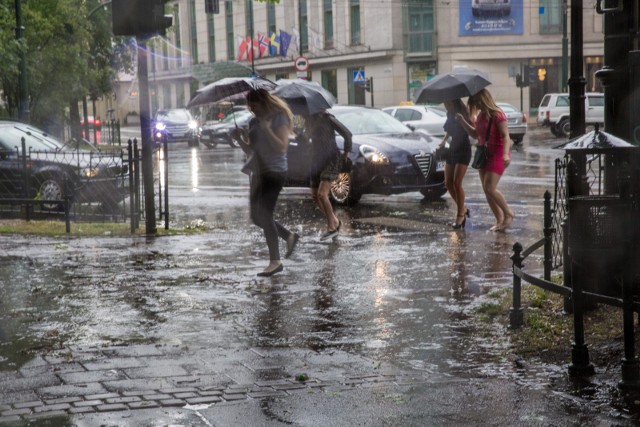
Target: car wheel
<point x="564" y="128"/>
<point x="516" y="140"/>
<point x="50" y="188"/>
<point x="554" y="130"/>
<point x="233" y="143"/>
<point x="342" y="191"/>
<point x="433" y="193"/>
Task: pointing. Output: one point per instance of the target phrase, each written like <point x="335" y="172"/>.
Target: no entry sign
<point x="301" y="63"/>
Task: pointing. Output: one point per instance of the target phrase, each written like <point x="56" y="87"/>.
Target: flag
<point x="242" y="49"/>
<point x="294" y="47"/>
<point x="274" y="44"/>
<point x="285" y="39"/>
<point x="263" y="44"/>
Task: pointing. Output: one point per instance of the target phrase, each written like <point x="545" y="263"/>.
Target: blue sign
<point x="488" y="18"/>
<point x="358" y="76"/>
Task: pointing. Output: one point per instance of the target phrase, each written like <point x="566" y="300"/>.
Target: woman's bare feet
<point x="508" y="219"/>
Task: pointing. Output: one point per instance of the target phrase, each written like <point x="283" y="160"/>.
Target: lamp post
<point x="565" y="48"/>
<point x="23" y="106"/>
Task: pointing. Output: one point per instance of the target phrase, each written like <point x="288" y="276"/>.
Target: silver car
<point x="425" y="117"/>
<point x="516" y="121"/>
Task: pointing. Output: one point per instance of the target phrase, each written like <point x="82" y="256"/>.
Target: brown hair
<point x="459" y="107"/>
<point x="272" y="103"/>
<point x="482" y="102"/>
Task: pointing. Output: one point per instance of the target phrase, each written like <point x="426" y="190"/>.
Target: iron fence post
<point x="136" y="180"/>
<point x="166" y="184"/>
<point x="515" y="314"/>
<point x="132" y="189"/>
<point x="548" y="233"/>
<point x="27" y="179"/>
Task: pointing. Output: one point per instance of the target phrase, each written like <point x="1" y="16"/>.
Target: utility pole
<point x="253" y="52"/>
<point x="564" y="74"/>
<point x="23" y="106"/>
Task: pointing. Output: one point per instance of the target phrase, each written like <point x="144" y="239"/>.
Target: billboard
<point x="490" y="17"/>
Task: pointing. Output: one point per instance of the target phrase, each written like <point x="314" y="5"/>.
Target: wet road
<point x="395" y="294"/>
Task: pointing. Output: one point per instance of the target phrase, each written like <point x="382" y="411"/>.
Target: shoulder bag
<point x="481" y="155"/>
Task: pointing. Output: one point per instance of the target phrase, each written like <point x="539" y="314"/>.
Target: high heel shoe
<point x="458" y="226"/>
<point x="468" y="213"/>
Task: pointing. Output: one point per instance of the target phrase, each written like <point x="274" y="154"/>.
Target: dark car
<point x="388" y="158"/>
<point x="219" y="132"/>
<point x="53" y="170"/>
<point x="177" y="125"/>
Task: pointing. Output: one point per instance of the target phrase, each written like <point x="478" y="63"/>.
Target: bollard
<point x="132" y="221"/>
<point x="165" y="147"/>
<point x="516" y="319"/>
<point x="548" y="236"/>
<point x="580" y="365"/>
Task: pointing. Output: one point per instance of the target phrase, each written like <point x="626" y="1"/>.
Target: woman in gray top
<point x="268" y="138"/>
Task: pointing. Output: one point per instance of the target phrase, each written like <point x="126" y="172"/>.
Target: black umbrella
<point x="453" y="85"/>
<point x="228" y="87"/>
<point x="304" y="97"/>
<point x="594" y="139"/>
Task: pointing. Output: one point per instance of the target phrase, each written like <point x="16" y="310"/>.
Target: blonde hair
<point x="272" y="103"/>
<point x="482" y="102"/>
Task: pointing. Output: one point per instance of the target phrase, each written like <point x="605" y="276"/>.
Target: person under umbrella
<point x="311" y="100"/>
<point x="268" y="138"/>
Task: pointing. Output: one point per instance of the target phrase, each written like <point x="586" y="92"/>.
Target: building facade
<point x="394" y="45"/>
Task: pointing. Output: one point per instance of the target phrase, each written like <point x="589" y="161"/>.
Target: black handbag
<point x="481" y="155"/>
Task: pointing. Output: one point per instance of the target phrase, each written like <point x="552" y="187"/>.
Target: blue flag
<point x="274" y="44"/>
<point x="285" y="41"/>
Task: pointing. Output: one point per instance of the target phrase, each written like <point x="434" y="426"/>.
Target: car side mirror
<point x="412" y="127"/>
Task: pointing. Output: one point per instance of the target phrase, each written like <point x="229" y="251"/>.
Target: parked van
<point x="554" y="111"/>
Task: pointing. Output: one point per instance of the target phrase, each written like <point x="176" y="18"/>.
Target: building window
<point x="330" y="81"/>
<point x="271" y="18"/>
<point x="419" y="26"/>
<point x="194" y="32"/>
<point x="304" y="25"/>
<point x="228" y="10"/>
<point x="551" y="16"/>
<point x="211" y="32"/>
<point x="166" y="96"/>
<point x="176" y="20"/>
<point x="327" y="15"/>
<point x="354" y="12"/>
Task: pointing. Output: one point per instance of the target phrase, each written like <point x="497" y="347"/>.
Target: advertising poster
<point x="490" y="17"/>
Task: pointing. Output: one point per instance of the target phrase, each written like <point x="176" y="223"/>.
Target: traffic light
<point x="212" y="6"/>
<point x="518" y="80"/>
<point x="526" y="75"/>
<point x="139" y="17"/>
<point x="367" y="85"/>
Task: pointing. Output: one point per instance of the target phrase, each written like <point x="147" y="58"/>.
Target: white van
<point x="554" y="111"/>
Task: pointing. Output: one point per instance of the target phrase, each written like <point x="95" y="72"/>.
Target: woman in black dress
<point x="458" y="158"/>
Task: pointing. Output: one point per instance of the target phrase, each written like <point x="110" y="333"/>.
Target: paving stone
<point x="177" y="390"/>
<point x="101" y="396"/>
<point x="156" y="396"/>
<point x="86" y="377"/>
<point x="143" y="404"/>
<point x="200" y="381"/>
<point x="133" y="351"/>
<point x="49" y="408"/>
<point x="210" y="393"/>
<point x="9" y="419"/>
<point x="230" y="397"/>
<point x="112" y="407"/>
<point x="81" y="410"/>
<point x="263" y="394"/>
<point x="18" y="396"/>
<point x="207" y="399"/>
<point x="172" y="402"/>
<point x="121" y="386"/>
<point x="289" y="386"/>
<point x="46" y="415"/>
<point x="134" y="392"/>
<point x="67" y="367"/>
<point x="71" y="390"/>
<point x="8" y="375"/>
<point x="155" y="372"/>
<point x="5" y="407"/>
<point x="114" y="363"/>
<point x="30" y="383"/>
<point x="85" y="403"/>
<point x="31" y="404"/>
<point x="185" y="395"/>
<point x="128" y="399"/>
<point x="62" y="400"/>
<point x="21" y="411"/>
<point x="272" y="383"/>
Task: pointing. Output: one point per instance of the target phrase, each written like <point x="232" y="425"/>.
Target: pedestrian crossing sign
<point x="358" y="76"/>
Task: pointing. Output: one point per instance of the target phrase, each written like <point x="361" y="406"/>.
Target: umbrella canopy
<point x="453" y="85"/>
<point x="228" y="87"/>
<point x="594" y="139"/>
<point x="304" y="97"/>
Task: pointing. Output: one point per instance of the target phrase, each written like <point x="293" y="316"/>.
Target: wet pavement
<point x="378" y="327"/>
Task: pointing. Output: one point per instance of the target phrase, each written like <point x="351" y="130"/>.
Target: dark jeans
<point x="265" y="189"/>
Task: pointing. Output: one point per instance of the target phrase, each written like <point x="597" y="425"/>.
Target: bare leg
<point x="322" y="200"/>
<point x="493" y="205"/>
<point x="505" y="213"/>
<point x="459" y="171"/>
<point x="449" y="183"/>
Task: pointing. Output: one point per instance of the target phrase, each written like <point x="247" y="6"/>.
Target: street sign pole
<point x="145" y="128"/>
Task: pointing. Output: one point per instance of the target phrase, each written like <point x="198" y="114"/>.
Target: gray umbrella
<point x="453" y="85"/>
<point x="228" y="87"/>
<point x="304" y="97"/>
<point x="594" y="139"/>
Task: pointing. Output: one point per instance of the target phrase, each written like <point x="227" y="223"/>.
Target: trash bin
<point x="603" y="191"/>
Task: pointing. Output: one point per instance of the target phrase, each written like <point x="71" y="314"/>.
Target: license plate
<point x="177" y="135"/>
<point x="440" y="165"/>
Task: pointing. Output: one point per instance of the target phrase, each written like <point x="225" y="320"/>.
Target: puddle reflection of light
<point x="194" y="169"/>
<point x="381" y="281"/>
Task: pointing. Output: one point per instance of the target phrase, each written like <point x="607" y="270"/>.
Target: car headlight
<point x="90" y="172"/>
<point x="193" y="124"/>
<point x="160" y="126"/>
<point x="373" y="155"/>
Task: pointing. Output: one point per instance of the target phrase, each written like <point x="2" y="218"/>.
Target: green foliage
<point x="69" y="55"/>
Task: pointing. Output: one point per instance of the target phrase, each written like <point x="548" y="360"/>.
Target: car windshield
<point x="174" y="115"/>
<point x="237" y="116"/>
<point x="507" y="108"/>
<point x="12" y="134"/>
<point x="363" y="121"/>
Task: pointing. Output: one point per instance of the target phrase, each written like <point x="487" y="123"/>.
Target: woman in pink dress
<point x="483" y="107"/>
